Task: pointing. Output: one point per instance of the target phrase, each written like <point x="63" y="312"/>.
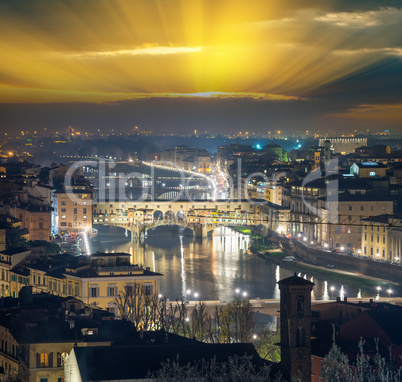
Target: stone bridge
<point x="201" y="216"/>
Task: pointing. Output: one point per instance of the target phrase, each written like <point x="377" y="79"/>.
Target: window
<point x="371" y="251"/>
<point x="63" y="203"/>
<point x="44" y="360"/>
<point x="350" y="208"/>
<point x="300" y="305"/>
<point x="40" y="225"/>
<point x="378" y="238"/>
<point x="63" y="224"/>
<point x="64" y="357"/>
<point x="94" y="292"/>
<point x="76" y="291"/>
<point x="111" y="291"/>
<point x="63" y="216"/>
<point x="84" y="211"/>
<point x="365" y="250"/>
<point x="300" y="337"/>
<point x="383" y="253"/>
<point x="129" y="290"/>
<point x="365" y="236"/>
<point x="75" y="211"/>
<point x="361" y="208"/>
<point x="39" y="280"/>
<point x="63" y="210"/>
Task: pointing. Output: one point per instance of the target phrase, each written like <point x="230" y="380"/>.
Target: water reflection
<point x="214" y="267"/>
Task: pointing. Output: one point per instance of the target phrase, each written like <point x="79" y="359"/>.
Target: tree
<point x="336" y="367"/>
<point x="50" y="247"/>
<point x="236" y="322"/>
<point x="267" y="346"/>
<point x="15" y="238"/>
<point x="235" y="369"/>
<point x="139" y="307"/>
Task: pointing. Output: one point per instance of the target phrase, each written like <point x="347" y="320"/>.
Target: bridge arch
<point x="158" y="215"/>
<point x="181" y="215"/>
<point x="169" y="215"/>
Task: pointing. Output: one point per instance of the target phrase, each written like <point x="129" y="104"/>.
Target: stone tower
<point x="295" y="321"/>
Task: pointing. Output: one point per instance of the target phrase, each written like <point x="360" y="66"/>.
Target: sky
<point x="221" y="66"/>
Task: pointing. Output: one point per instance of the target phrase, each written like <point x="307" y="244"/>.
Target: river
<point x="214" y="268"/>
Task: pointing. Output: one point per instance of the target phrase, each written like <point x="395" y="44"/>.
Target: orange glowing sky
<point x="112" y="51"/>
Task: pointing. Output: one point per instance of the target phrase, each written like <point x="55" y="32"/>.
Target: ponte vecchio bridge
<point x="201" y="216"/>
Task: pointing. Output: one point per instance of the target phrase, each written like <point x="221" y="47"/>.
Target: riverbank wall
<point x="341" y="261"/>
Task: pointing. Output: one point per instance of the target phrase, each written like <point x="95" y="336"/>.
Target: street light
<point x="196" y="295"/>
<point x="188" y="292"/>
<point x="389" y="294"/>
<point x="378" y="291"/>
<point x="332" y="292"/>
<point x="237" y="291"/>
<point x="244" y="294"/>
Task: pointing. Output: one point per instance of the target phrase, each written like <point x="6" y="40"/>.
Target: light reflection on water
<point x="213" y="267"/>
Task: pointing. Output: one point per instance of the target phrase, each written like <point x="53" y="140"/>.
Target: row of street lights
<point x="239" y="293"/>
<point x="389" y="291"/>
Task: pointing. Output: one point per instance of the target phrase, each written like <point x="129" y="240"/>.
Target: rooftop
<point x="295" y="280"/>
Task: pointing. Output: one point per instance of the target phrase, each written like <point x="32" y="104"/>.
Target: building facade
<point x="72" y="214"/>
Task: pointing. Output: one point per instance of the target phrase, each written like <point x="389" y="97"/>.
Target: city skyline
<point x="219" y="67"/>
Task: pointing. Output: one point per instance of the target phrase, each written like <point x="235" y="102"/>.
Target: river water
<point x="214" y="268"/>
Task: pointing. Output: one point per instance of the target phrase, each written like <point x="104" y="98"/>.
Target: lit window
<point x="44" y="360"/>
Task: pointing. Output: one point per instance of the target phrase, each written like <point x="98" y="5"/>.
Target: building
<point x="341" y="220"/>
<point x="10" y="258"/>
<point x="187" y="158"/>
<point x="368" y="169"/>
<point x="349" y="322"/>
<point x="275" y="151"/>
<point x="72" y="213"/>
<point x="34" y="218"/>
<point x="382" y="238"/>
<point x="305" y="200"/>
<point x="96" y="279"/>
<point x="344" y="145"/>
<point x="133" y="363"/>
<point x="39" y="331"/>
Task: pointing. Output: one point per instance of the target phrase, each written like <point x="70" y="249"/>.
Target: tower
<point x="295" y="321"/>
<point x="327" y="151"/>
